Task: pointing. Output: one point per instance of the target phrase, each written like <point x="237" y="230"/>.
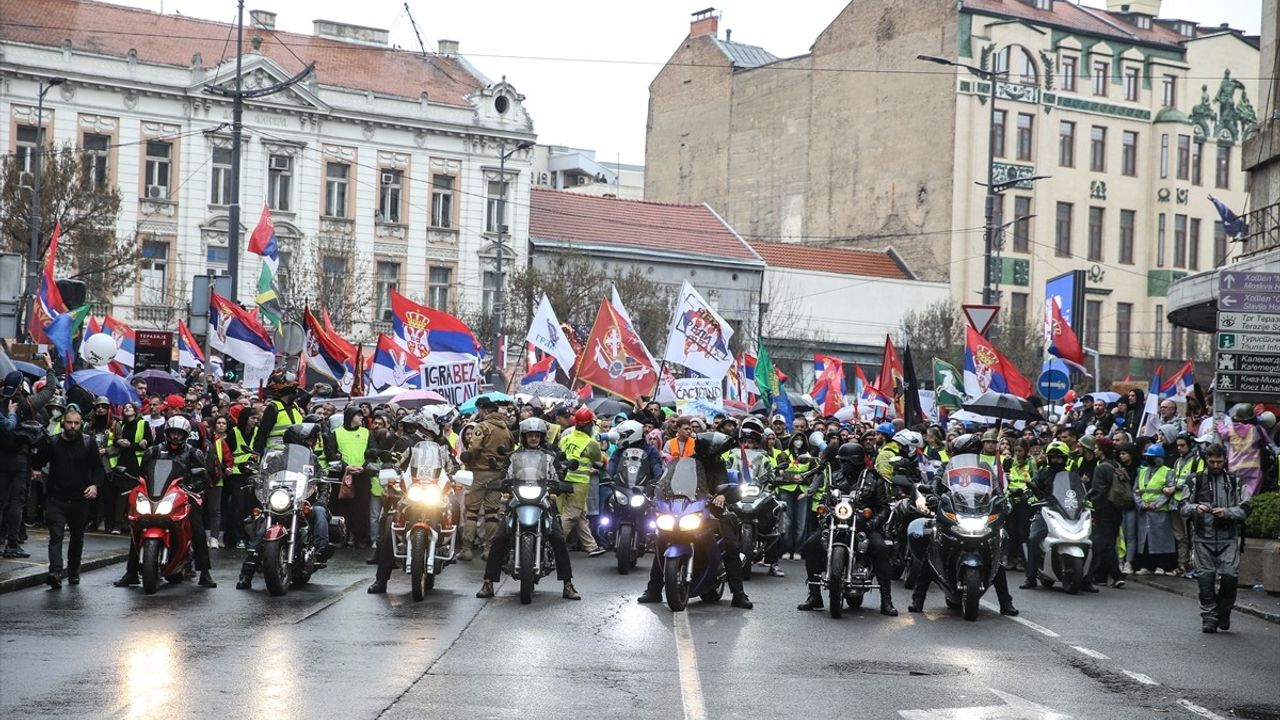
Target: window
<point x="997" y="132"/>
<point x="388" y="279"/>
<point x="279" y="182"/>
<point x="1129" y="153"/>
<point x="1021" y="224"/>
<point x="1159" y="344"/>
<point x="439" y="282"/>
<point x="489" y="291"/>
<point x="495" y="202"/>
<point x="1062" y="240"/>
<point x="1179" y="241"/>
<point x="1124" y="323"/>
<point x="1068" y="73"/>
<point x="1092" y="318"/>
<point x="1219" y="244"/>
<point x="1160" y="241"/>
<point x="1197" y="157"/>
<point x="1067" y="144"/>
<point x="1164" y="156"/>
<point x="1027" y="73"/>
<point x="1193" y="245"/>
<point x="1126" y="236"/>
<point x="390" y="184"/>
<point x="1098" y="149"/>
<point x="1169" y="91"/>
<point x="220" y="182"/>
<point x="335" y="189"/>
<point x="1096" y="218"/>
<point x="1184" y="157"/>
<point x="1001" y="63"/>
<point x="1131" y="84"/>
<point x="334" y="268"/>
<point x="1222" y="178"/>
<point x="1026" y="124"/>
<point x="442" y="201"/>
<point x="96" y="157"/>
<point x="1100" y="72"/>
<point x="26" y="151"/>
<point x="218" y="258"/>
<point x="997" y="217"/>
<point x="159" y="157"/>
<point x="1018" y="310"/>
<point x="155" y="267"/>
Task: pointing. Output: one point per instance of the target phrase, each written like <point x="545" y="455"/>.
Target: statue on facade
<point x="1228" y="127"/>
<point x="1248" y="116"/>
<point x="1202" y="115"/>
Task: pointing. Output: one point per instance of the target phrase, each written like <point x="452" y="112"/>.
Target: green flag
<point x="948" y="385"/>
<point x="268" y="297"/>
<point x="771" y="389"/>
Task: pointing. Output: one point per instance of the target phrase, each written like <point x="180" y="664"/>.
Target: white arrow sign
<point x="1228" y="302"/>
<point x="1015" y="708"/>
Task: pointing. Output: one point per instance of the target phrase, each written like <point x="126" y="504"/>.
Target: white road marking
<point x="1201" y="711"/>
<point x="1015" y="708"/>
<point x="1139" y="677"/>
<point x="690" y="682"/>
<point x="1089" y="653"/>
<point x="1023" y="621"/>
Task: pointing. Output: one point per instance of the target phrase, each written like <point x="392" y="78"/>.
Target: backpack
<point x="1120" y="494"/>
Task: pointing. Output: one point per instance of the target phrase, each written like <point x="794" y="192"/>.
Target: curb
<point x="1269" y="616"/>
<point x="37" y="578"/>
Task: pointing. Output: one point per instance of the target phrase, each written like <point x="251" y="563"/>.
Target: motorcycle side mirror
<point x="805" y="459"/>
<point x="335" y="468"/>
<point x="464" y="478"/>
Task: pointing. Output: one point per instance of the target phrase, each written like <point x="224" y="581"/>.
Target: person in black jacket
<point x="74" y="478"/>
<point x="15" y="452"/>
<point x="1107" y="516"/>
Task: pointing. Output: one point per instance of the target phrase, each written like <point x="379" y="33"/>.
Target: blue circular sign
<point x="1054" y="381"/>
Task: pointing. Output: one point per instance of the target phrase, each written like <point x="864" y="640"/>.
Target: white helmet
<point x="179" y="424"/>
<point x="629" y="432"/>
<point x="909" y="439"/>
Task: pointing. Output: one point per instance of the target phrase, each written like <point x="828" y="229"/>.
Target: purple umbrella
<point x="159" y="382"/>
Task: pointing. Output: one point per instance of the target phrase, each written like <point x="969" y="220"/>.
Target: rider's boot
<point x="486" y="589"/>
<point x="814" y="601"/>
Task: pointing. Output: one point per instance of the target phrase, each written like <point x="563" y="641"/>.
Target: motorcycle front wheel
<point x="528" y="560"/>
<point x="1072" y="574"/>
<point x="835" y="580"/>
<point x="151" y="565"/>
<point x="624" y="549"/>
<point x="422" y="580"/>
<point x="277" y="571"/>
<point x="676" y="586"/>
<point x="747" y="546"/>
<point x="972" y="592"/>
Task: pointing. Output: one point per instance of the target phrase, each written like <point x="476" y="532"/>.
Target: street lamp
<point x="502" y="230"/>
<point x="33" y="261"/>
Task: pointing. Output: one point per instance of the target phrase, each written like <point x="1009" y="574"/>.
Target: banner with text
<point x="699" y="396"/>
<point x="457" y="381"/>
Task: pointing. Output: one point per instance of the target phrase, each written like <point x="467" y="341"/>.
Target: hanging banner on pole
<point x="699" y="396"/>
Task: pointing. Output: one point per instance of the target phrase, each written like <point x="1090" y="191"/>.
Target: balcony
<point x="160" y="316"/>
<point x="1261" y="230"/>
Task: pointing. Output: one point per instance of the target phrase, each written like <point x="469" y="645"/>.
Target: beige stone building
<point x="859" y="144"/>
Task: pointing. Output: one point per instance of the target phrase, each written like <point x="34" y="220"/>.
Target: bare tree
<point x="89" y="249"/>
<point x="936" y="330"/>
<point x="330" y="274"/>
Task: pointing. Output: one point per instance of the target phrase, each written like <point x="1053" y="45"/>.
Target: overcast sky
<point x="585" y="65"/>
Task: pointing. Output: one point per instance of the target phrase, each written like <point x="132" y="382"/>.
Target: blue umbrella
<point x="500" y="398"/>
<point x="31" y="370"/>
<point x="108" y="384"/>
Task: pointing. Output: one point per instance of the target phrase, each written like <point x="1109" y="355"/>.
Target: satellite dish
<point x="290" y="338"/>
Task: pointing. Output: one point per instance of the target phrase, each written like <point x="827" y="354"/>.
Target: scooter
<point x="159" y="519"/>
<point x="967" y="532"/>
<point x="691" y="563"/>
<point x="1067" y="550"/>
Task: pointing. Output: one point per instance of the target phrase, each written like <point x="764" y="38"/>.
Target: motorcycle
<point x="530" y="512"/>
<point x="286" y="484"/>
<point x="691" y="563"/>
<point x="423" y="531"/>
<point x="629" y="511"/>
<point x="848" y="576"/>
<point x="909" y="505"/>
<point x="968" y="528"/>
<point x="1067" y="549"/>
<point x="755" y="505"/>
<point x="159" y="519"/>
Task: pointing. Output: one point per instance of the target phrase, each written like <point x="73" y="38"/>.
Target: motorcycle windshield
<point x="684" y="478"/>
<point x="1069" y="494"/>
<point x="970" y="483"/>
<point x="426" y="462"/>
<point x="292" y="466"/>
<point x="158" y="473"/>
<point x="530" y="467"/>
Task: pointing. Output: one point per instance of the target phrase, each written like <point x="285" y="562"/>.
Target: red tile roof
<point x="831" y="260"/>
<point x="1069" y="15"/>
<point x="172" y="39"/>
<point x="558" y="215"/>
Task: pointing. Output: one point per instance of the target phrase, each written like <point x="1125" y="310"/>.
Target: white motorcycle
<point x="1067" y="551"/>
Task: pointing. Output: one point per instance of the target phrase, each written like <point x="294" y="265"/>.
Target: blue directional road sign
<point x="1054" y="381"/>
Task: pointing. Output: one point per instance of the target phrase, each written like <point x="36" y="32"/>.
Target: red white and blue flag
<point x="394" y="366"/>
<point x="48" y="303"/>
<point x="235" y="332"/>
<point x="986" y="369"/>
<point x="430" y="336"/>
<point x="1179" y="385"/>
<point x="544" y="369"/>
<point x="123" y="335"/>
<point x="828" y="383"/>
<point x="327" y="353"/>
<point x="189" y="352"/>
<point x="1063" y="342"/>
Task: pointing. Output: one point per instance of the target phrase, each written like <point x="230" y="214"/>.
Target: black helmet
<point x="970" y="444"/>
<point x="852" y="456"/>
<point x="305" y="434"/>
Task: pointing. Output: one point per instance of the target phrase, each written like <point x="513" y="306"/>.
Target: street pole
<point x="990" y="212"/>
<point x="502" y="231"/>
<point x="233" y="212"/>
<point x="37" y="163"/>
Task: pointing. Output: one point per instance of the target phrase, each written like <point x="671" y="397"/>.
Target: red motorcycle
<point x="159" y="520"/>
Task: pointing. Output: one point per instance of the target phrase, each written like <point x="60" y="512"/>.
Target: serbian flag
<point x="1063" y="342"/>
<point x="124" y="338"/>
<point x="1180" y="384"/>
<point x="889" y="384"/>
<point x="1150" y="412"/>
<point x="47" y="305"/>
<point x="431" y="336"/>
<point x="394" y="366"/>
<point x="747" y="370"/>
<point x="235" y="332"/>
<point x="828" y="383"/>
<point x="614" y="359"/>
<point x="189" y="352"/>
<point x="327" y="353"/>
<point x="544" y="369"/>
<point x="986" y="369"/>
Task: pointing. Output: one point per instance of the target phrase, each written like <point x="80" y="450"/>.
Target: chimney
<point x="1150" y="8"/>
<point x="705" y="22"/>
<point x="447" y="47"/>
<point x="357" y="34"/>
<point x="262" y="19"/>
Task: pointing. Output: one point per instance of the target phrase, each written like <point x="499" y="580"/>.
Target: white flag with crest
<point x="546" y="335"/>
<point x="699" y="338"/>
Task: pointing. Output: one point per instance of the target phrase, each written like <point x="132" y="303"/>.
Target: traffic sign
<point x="1054" y="382"/>
<point x="1249" y="363"/>
<point x="1254" y="282"/>
<point x="1249" y="302"/>
<point x="980" y="316"/>
<point x="1249" y="343"/>
<point x="1249" y="322"/>
<point x="1243" y="385"/>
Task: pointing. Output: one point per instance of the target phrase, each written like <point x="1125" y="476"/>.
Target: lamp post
<point x="37" y="162"/>
<point x="500" y="220"/>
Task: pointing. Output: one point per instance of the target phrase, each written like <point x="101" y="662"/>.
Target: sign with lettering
<point x="457" y="381"/>
<point x="699" y="396"/>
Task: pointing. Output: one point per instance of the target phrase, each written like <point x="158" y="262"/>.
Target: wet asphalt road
<point x="329" y="650"/>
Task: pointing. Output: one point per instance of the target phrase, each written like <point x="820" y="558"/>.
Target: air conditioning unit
<point x="388" y="178"/>
<point x="280" y="162"/>
<point x="583" y="180"/>
<point x="157" y="192"/>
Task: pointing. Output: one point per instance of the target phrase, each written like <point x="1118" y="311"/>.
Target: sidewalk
<point x="99" y="550"/>
<point x="1248" y="601"/>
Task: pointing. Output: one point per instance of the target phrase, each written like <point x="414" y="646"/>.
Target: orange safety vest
<point x="674" y="450"/>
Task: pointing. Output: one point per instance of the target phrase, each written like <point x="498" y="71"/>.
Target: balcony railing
<point x="1261" y="230"/>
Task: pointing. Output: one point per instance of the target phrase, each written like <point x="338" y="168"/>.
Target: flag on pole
<point x="1232" y="223"/>
<point x="773" y="392"/>
<point x="890" y="382"/>
<point x="948" y="385"/>
<point x="326" y="353"/>
<point x="189" y="352"/>
<point x="394" y="366"/>
<point x="986" y="369"/>
<point x="263" y="242"/>
<point x="828" y="383"/>
<point x="912" y="412"/>
<point x="236" y="333"/>
<point x="47" y="305"/>
<point x="432" y="336"/>
<point x="544" y="369"/>
<point x="546" y="334"/>
<point x="614" y="358"/>
<point x="1062" y="340"/>
<point x="124" y="337"/>
<point x="699" y="337"/>
<point x="1179" y="385"/>
<point x="1150" y="411"/>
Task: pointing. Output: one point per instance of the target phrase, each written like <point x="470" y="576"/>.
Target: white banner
<point x="546" y="335"/>
<point x="699" y="396"/>
<point x="699" y="338"/>
<point x="457" y="381"/>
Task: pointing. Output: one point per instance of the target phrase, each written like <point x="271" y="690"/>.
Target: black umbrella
<point x="1003" y="406"/>
<point x="800" y="403"/>
<point x="609" y="406"/>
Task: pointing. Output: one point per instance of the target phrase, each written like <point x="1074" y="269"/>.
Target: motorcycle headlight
<point x="279" y="500"/>
<point x="690" y="522"/>
<point x="165" y="506"/>
<point x="844" y="511"/>
<point x="619" y="497"/>
<point x="666" y="523"/>
<point x="529" y="492"/>
<point x="972" y="525"/>
<point x="142" y="505"/>
<point x="637" y="500"/>
<point x="750" y="491"/>
<point x="427" y="494"/>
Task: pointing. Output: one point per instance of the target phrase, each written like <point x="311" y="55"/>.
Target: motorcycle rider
<point x="189" y="463"/>
<point x="920" y="532"/>
<point x="533" y="437"/>
<point x="1058" y="459"/>
<point x="279" y="414"/>
<point x="631" y="435"/>
<point x="751" y="437"/>
<point x="708" y="451"/>
<point x="307" y="435"/>
<point x="867" y="490"/>
<point x="905" y="444"/>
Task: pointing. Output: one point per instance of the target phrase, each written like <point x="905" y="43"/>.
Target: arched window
<point x="1018" y="63"/>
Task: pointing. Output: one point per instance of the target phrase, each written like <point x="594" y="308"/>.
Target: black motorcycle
<point x="532" y="484"/>
<point x="910" y="503"/>
<point x="752" y="478"/>
<point x="848" y="576"/>
<point x="286" y="486"/>
<point x="629" y="514"/>
<point x="968" y="529"/>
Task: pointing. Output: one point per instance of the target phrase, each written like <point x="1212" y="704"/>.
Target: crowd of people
<point x="1164" y="502"/>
